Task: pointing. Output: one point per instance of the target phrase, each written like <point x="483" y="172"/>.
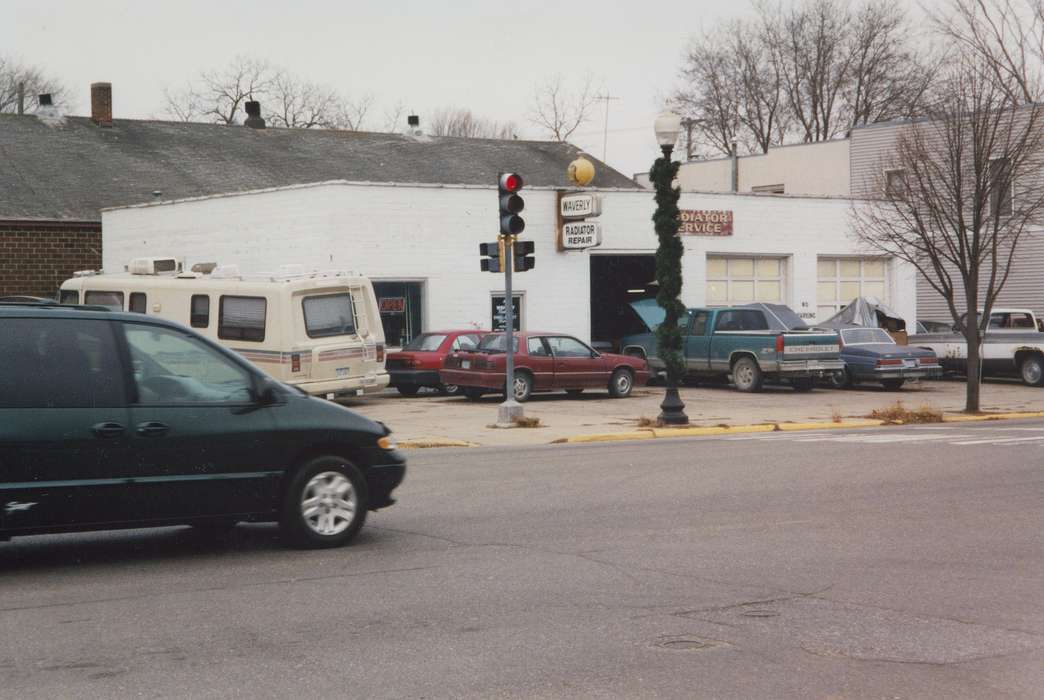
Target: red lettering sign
<point x="392" y="305"/>
<point x="705" y="222"/>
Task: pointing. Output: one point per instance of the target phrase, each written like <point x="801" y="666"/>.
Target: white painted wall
<point x="431" y="234"/>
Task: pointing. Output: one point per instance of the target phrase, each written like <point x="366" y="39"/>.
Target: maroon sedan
<point x="419" y="361"/>
<point x="543" y="362"/>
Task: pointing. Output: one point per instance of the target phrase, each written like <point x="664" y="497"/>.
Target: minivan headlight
<point x="386" y="443"/>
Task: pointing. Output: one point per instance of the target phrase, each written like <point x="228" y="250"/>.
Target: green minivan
<point x="117" y="420"/>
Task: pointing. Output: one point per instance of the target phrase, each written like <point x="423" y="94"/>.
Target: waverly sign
<point x="575" y="232"/>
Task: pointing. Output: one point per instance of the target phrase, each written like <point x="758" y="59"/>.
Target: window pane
<point x="329" y="315"/>
<point x="873" y="268"/>
<point x="742" y="291"/>
<point x="69" y="296"/>
<point x="242" y="318"/>
<point x="59" y="364"/>
<point x="827" y="268"/>
<point x="200" y="312"/>
<point x="849" y="291"/>
<point x="741" y="267"/>
<point x="699" y="323"/>
<point x="768" y="267"/>
<point x="172" y="368"/>
<point x="113" y="300"/>
<point x="468" y="342"/>
<point x="536" y="347"/>
<point x="717" y="267"/>
<point x="825" y="291"/>
<point x="717" y="293"/>
<point x="428" y="342"/>
<point x="568" y="347"/>
<point x="769" y="291"/>
<point x="850" y="268"/>
<point x="137" y="305"/>
<point x="874" y="289"/>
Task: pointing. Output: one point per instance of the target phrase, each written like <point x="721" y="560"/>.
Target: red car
<point x="543" y="362"/>
<point x="419" y="361"/>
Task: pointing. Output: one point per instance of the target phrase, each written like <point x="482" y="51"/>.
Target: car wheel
<point x="1032" y="370"/>
<point x="472" y="393"/>
<point x="408" y="389"/>
<point x="802" y="384"/>
<point x="841" y="379"/>
<point x="574" y="392"/>
<point x="893" y="384"/>
<point x="746" y="375"/>
<point x="523" y="387"/>
<point x="621" y="383"/>
<point x="448" y="389"/>
<point x="324" y="504"/>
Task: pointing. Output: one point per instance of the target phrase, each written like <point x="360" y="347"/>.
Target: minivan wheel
<point x="324" y="504"/>
<point x="746" y="374"/>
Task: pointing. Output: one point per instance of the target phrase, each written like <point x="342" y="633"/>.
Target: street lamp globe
<point x="667" y="126"/>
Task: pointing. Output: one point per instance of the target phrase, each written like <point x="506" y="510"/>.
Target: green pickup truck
<point x="752" y="343"/>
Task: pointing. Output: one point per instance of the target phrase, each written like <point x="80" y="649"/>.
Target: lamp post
<point x="668" y="267"/>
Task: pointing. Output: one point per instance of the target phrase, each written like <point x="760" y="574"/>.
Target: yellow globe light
<point x="581" y="171"/>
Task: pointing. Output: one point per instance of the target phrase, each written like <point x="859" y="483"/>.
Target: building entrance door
<point x="401" y="307"/>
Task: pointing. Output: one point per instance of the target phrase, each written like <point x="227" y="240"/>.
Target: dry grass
<point x="836" y="415"/>
<point x="898" y="414"/>
<point x="527" y="422"/>
<point x="647" y="422"/>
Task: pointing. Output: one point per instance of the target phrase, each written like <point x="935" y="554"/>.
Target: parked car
<point x="751" y="343"/>
<point x="543" y="362"/>
<point x="418" y="363"/>
<point x="114" y="420"/>
<point x="872" y="355"/>
<point x="1012" y="346"/>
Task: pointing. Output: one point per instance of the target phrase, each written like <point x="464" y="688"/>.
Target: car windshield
<point x="865" y="336"/>
<point x="425" y="342"/>
<point x="496" y="342"/>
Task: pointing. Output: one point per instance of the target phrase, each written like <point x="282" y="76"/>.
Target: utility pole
<point x="688" y="123"/>
<point x="605" y="131"/>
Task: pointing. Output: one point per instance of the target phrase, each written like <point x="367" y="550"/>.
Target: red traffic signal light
<point x="511" y="224"/>
<point x="510" y="182"/>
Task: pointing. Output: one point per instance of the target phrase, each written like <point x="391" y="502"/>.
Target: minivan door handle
<point x="107" y="430"/>
<point x="153" y="429"/>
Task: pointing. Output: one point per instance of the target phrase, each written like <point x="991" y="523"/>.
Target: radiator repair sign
<point x="705" y="222"/>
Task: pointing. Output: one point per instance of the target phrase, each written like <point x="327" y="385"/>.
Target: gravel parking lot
<point x="428" y="416"/>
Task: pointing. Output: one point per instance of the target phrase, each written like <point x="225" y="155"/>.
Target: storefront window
<point x="843" y="279"/>
<point x="400" y="305"/>
<point x="742" y="280"/>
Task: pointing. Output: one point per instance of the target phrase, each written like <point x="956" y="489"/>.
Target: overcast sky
<point x="486" y="56"/>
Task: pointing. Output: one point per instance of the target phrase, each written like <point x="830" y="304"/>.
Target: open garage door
<point x="616" y="281"/>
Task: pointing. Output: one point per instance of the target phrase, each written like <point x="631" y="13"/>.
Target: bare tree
<point x="33" y="80"/>
<point x="1008" y="37"/>
<point x="560" y="111"/>
<point x="963" y="188"/>
<point x="395" y="117"/>
<point x="463" y="123"/>
<point x="709" y="94"/>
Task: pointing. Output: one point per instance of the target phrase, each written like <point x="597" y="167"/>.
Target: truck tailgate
<point x="810" y="345"/>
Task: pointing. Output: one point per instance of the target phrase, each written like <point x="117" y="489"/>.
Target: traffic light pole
<point x="511" y="410"/>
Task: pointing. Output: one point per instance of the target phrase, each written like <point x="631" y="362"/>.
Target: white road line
<point x="1000" y="440"/>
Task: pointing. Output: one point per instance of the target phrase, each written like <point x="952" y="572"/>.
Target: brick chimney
<point x="254" y="119"/>
<point x="101" y="104"/>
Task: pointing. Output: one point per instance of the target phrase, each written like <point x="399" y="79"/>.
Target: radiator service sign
<point x="705" y="222"/>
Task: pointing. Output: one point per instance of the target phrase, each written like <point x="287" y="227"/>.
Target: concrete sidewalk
<point x="431" y="420"/>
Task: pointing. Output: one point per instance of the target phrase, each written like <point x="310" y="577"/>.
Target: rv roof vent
<point x="153" y="266"/>
<point x="204" y="268"/>
<point x="86" y="273"/>
<point x="226" y="272"/>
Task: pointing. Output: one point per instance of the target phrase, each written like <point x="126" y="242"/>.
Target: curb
<point x="425" y="443"/>
<point x="658" y="433"/>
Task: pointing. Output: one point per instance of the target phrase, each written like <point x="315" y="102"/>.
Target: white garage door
<point x="741" y="280"/>
<point x="843" y="279"/>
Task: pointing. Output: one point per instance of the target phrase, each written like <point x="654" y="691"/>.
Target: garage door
<point x="843" y="279"/>
<point x="741" y="280"/>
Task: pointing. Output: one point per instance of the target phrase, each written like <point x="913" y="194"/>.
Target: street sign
<point x="577" y="235"/>
<point x="579" y="206"/>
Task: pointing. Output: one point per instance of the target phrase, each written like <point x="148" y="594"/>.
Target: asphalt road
<point x="899" y="563"/>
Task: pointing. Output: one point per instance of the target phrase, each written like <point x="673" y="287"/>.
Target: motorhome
<point x="320" y="331"/>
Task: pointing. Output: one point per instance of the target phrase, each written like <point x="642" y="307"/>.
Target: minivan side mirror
<point x="265" y="394"/>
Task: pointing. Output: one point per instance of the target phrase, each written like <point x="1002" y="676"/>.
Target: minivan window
<point x="242" y="318"/>
<point x="113" y="300"/>
<point x="69" y="296"/>
<point x="199" y="312"/>
<point x="328" y="315"/>
<point x="59" y="363"/>
<point x="171" y="367"/>
<point x="137" y="305"/>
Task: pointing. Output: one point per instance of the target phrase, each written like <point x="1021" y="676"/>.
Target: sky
<point x="485" y="56"/>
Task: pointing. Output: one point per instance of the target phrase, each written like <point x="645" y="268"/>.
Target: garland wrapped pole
<point x="668" y="270"/>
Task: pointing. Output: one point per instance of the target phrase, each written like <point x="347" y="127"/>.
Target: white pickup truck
<point x="1012" y="346"/>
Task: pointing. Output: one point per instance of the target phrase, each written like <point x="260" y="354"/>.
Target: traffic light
<point x="492" y="256"/>
<point x="523" y="256"/>
<point x="511" y="224"/>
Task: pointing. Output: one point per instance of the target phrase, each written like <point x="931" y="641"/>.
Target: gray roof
<point x="73" y="169"/>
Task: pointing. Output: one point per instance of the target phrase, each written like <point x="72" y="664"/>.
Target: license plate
<point x="465" y="364"/>
<point x="342" y="372"/>
<point x="909" y="363"/>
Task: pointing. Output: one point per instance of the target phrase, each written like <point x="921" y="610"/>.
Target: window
<point x="328" y="315"/>
<point x="866" y="336"/>
<point x="68" y="363"/>
<point x="699" y="323"/>
<point x="68" y="296"/>
<point x="466" y="343"/>
<point x="496" y="342"/>
<point x="840" y="280"/>
<point x="562" y="346"/>
<point x="171" y="367"/>
<point x="138" y="303"/>
<point x="734" y="280"/>
<point x="536" y="347"/>
<point x="199" y="311"/>
<point x="895" y="184"/>
<point x="768" y="189"/>
<point x="242" y="318"/>
<point x="1001" y="187"/>
<point x="741" y="320"/>
<point x="112" y="300"/>
<point x="426" y="342"/>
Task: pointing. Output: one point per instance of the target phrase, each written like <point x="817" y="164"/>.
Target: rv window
<point x="138" y="304"/>
<point x="199" y="315"/>
<point x="68" y="296"/>
<point x="328" y="315"/>
<point x="113" y="300"/>
<point x="242" y="318"/>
